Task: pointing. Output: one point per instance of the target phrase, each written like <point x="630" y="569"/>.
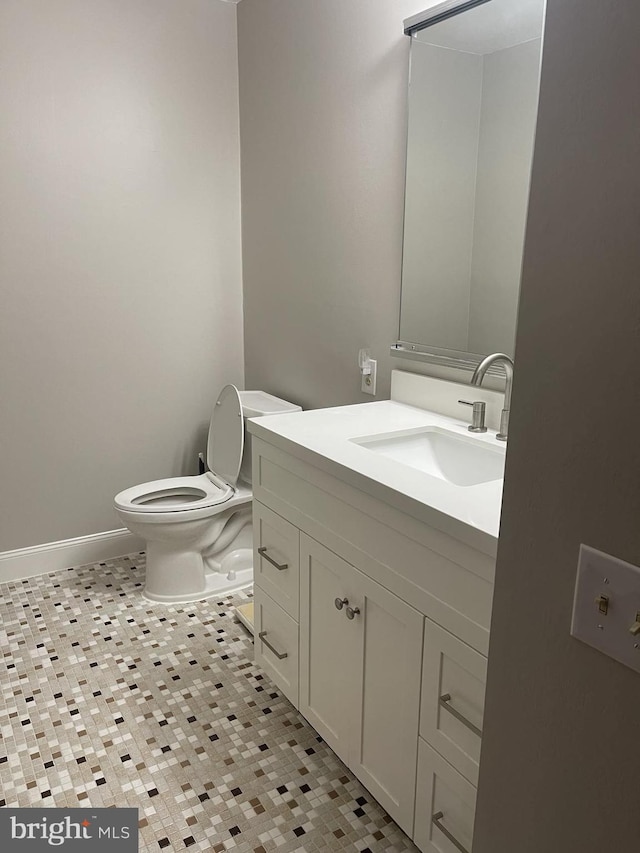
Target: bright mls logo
<point x="35" y="830"/>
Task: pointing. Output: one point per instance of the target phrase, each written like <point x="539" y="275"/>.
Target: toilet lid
<point x="226" y="436"/>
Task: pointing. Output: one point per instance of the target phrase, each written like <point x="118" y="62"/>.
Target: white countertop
<point x="322" y="438"/>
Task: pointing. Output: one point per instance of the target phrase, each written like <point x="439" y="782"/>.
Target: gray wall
<point x="323" y="112"/>
<point x="560" y="753"/>
<point x="120" y="262"/>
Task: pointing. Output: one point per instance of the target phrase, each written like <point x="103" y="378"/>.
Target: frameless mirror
<point x="473" y="102"/>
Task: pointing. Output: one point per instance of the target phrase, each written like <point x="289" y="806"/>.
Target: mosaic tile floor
<point x="109" y="700"/>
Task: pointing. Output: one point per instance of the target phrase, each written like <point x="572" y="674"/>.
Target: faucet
<point x="478" y="376"/>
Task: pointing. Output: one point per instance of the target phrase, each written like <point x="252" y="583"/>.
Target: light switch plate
<point x="606" y="604"/>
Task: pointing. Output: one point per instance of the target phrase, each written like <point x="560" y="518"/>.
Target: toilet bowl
<point x="198" y="529"/>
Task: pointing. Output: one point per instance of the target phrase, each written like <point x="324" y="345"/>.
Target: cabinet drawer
<point x="276" y="557"/>
<point x="452" y="703"/>
<point x="445" y="805"/>
<point x="276" y="644"/>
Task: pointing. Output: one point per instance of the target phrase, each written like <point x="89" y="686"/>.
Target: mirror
<point x="473" y="102"/>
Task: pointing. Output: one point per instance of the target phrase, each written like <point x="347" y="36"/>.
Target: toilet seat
<point x="175" y="494"/>
<point x="225" y="447"/>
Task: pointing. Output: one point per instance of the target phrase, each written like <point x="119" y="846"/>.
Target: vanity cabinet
<point x="375" y="625"/>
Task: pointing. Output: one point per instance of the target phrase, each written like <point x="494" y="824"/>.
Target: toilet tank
<point x="257" y="404"/>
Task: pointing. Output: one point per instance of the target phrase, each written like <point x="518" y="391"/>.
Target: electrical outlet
<point x="368" y="384"/>
<point x="606" y="607"/>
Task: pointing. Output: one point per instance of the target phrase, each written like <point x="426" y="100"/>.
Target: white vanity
<point x="375" y="533"/>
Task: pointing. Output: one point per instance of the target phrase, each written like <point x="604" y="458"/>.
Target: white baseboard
<point x="42" y="559"/>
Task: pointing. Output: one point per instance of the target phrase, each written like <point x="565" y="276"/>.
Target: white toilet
<point x="198" y="529"/>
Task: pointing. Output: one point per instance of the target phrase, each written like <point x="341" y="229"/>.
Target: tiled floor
<point x="109" y="700"/>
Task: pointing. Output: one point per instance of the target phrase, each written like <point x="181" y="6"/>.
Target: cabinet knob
<point x="340" y="603"/>
<point x="352" y="612"/>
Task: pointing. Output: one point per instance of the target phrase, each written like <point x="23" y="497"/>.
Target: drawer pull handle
<point x="444" y="703"/>
<point x="340" y="603"/>
<point x="279" y="566"/>
<point x="280" y="655"/>
<point x="352" y="612"/>
<point x="436" y="819"/>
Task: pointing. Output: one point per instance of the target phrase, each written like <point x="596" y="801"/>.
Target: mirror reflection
<point x="473" y="103"/>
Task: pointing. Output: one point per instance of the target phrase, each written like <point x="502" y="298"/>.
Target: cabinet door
<point x="327" y="649"/>
<point x="387" y="636"/>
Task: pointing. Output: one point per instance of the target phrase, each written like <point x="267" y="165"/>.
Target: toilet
<point x="198" y="529"/>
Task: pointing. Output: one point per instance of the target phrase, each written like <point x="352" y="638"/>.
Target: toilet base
<point x="215" y="585"/>
<point x="235" y="573"/>
<point x="192" y="560"/>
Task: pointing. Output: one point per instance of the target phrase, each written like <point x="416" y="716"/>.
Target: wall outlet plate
<point x="368" y="384"/>
<point x="606" y="606"/>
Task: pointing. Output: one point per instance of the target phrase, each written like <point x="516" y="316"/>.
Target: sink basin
<point x="446" y="455"/>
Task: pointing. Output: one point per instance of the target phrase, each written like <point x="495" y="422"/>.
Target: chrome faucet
<point x="478" y="376"/>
